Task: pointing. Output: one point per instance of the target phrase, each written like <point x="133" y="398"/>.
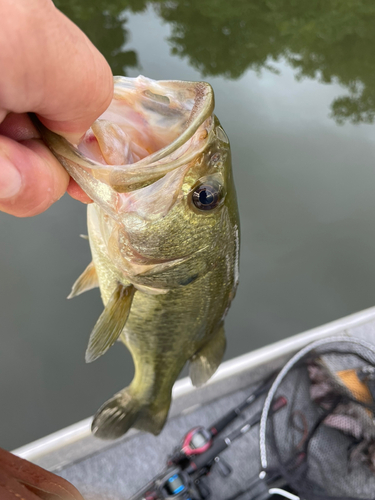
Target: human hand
<point x="48" y="66"/>
<point x="22" y="480"/>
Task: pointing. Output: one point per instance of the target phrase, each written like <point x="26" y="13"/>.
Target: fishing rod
<point x="199" y="439"/>
<point x="219" y="445"/>
<point x="176" y="483"/>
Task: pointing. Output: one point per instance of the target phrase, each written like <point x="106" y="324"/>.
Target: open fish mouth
<point x="149" y="129"/>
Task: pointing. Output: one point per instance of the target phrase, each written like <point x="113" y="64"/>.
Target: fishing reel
<point x="176" y="484"/>
<point x="200" y="439"/>
<point x="200" y="450"/>
<point x="173" y="484"/>
<point x="196" y="442"/>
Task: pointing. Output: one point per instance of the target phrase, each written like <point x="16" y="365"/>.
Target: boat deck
<point x="120" y="471"/>
<point x="117" y="470"/>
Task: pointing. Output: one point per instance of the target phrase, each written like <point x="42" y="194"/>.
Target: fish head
<point x="178" y="226"/>
<point x="157" y="164"/>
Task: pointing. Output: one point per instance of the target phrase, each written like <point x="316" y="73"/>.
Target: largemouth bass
<point x="164" y="236"/>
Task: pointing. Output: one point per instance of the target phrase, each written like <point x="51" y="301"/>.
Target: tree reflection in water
<point x="326" y="40"/>
<point x="105" y="24"/>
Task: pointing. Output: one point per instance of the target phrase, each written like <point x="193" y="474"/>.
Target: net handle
<point x="287" y="367"/>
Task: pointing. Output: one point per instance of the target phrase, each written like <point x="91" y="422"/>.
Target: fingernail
<point x="10" y="179"/>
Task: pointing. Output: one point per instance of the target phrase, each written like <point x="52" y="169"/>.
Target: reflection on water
<point x="106" y="27"/>
<point x="330" y="41"/>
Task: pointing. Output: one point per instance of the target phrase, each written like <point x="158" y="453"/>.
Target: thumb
<point x="57" y="73"/>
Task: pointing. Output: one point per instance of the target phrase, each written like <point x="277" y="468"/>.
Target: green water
<point x="295" y="91"/>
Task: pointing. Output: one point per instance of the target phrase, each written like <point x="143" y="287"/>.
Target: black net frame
<point x="320" y="442"/>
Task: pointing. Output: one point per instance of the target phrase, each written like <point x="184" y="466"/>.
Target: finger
<point x="77" y="193"/>
<point x="87" y="90"/>
<point x="31" y="178"/>
<point x="11" y="489"/>
<point x="59" y="73"/>
<point x="18" y="127"/>
<point x="36" y="477"/>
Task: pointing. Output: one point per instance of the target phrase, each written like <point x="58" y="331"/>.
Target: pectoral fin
<point x="206" y="361"/>
<point x="111" y="322"/>
<point x="87" y="281"/>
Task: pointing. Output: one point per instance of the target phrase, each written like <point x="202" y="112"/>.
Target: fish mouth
<point x="150" y="128"/>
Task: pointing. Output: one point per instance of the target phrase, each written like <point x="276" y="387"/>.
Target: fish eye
<point x="207" y="196"/>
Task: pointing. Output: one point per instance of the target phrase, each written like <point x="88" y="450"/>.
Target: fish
<point x="164" y="237"/>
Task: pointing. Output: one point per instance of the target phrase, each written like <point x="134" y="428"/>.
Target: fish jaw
<point x="149" y="127"/>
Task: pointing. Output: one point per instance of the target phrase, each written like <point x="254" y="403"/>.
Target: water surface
<point x="295" y="92"/>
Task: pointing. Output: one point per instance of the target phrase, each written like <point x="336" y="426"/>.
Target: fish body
<point x="164" y="236"/>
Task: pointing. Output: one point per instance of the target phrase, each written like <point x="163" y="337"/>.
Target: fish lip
<point x="175" y="144"/>
<point x="201" y="87"/>
<point x="125" y="177"/>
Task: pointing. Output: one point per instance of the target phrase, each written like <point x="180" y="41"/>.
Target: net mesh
<point x="323" y="441"/>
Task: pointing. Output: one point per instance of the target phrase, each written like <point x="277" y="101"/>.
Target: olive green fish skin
<point x="183" y="263"/>
<point x="164" y="331"/>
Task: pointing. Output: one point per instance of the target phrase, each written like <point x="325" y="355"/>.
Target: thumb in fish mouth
<point x="77" y="192"/>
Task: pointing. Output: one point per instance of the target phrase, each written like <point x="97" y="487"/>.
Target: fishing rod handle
<point x="233" y="414"/>
<point x="201" y="461"/>
<point x="224" y="421"/>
